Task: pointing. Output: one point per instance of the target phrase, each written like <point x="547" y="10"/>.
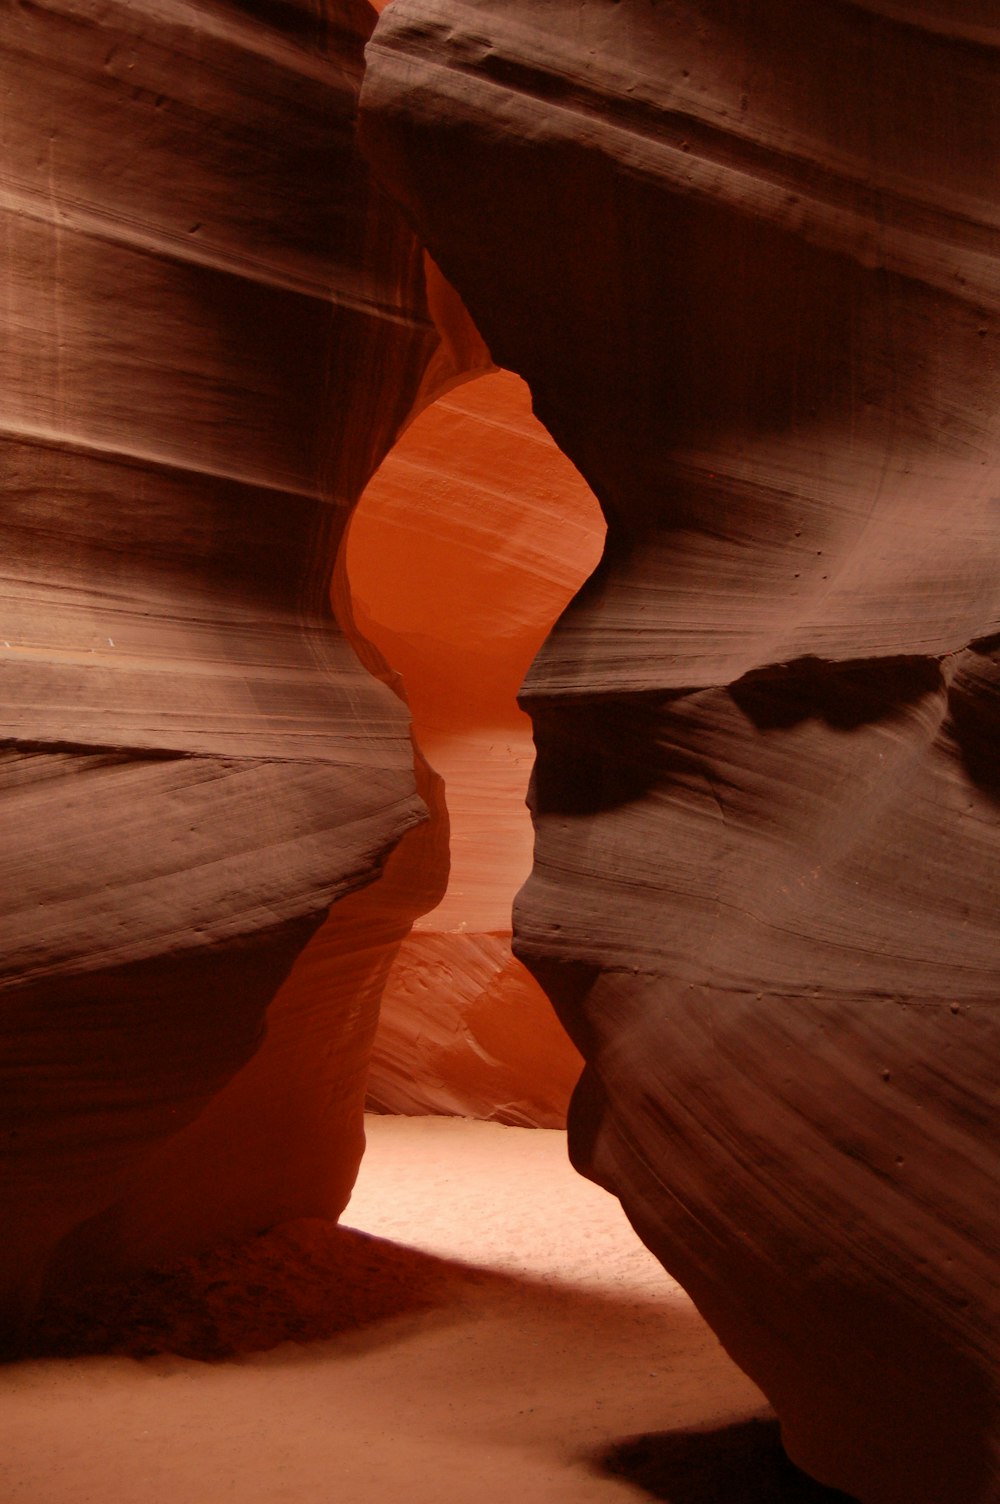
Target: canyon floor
<point x="485" y="1327"/>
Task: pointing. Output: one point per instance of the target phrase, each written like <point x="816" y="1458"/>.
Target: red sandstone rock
<point x="746" y="259"/>
<point x="214" y="328"/>
<point x="210" y="352"/>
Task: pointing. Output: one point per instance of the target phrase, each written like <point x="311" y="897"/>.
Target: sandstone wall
<point x="746" y="258"/>
<point x="214" y="327"/>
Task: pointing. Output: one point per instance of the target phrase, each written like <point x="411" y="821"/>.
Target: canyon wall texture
<point x="214" y="326"/>
<point x="746" y="258"/>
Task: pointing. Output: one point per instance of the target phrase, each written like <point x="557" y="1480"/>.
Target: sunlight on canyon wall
<point x="466" y="545"/>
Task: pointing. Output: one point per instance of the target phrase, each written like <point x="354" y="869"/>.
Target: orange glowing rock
<point x="467" y="544"/>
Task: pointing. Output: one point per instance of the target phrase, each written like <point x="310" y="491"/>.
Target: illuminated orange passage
<point x="467" y="544"/>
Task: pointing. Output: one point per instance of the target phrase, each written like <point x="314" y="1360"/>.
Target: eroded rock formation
<point x="214" y="327"/>
<point x="746" y="258"/>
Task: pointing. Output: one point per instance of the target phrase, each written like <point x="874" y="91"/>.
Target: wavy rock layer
<point x="214" y="327"/>
<point x="746" y="258"/>
<point x="465" y="547"/>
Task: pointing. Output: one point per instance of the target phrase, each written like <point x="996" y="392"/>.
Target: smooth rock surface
<point x="214" y="325"/>
<point x="746" y="259"/>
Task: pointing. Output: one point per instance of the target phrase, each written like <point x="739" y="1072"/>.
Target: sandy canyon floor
<point x="485" y="1327"/>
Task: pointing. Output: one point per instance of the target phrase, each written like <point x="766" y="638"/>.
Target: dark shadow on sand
<point x="738" y="1464"/>
<point x="307" y="1281"/>
<point x="312" y="1281"/>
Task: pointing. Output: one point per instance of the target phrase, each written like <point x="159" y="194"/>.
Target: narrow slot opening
<point x="468" y="542"/>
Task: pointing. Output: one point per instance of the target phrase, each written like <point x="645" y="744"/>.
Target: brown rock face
<point x="214" y="327"/>
<point x="745" y="257"/>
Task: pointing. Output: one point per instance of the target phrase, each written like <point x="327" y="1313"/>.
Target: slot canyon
<point x="464" y="454"/>
<point x="458" y="598"/>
